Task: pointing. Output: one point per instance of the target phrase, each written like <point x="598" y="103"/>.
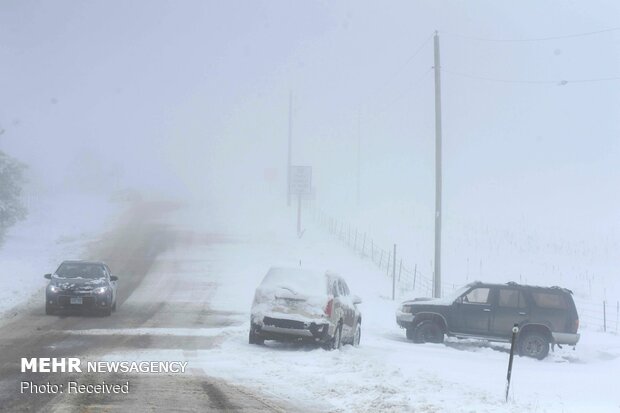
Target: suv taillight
<point x="329" y="307"/>
<point x="576" y="325"/>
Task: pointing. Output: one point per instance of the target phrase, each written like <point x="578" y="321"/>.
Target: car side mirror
<point x="458" y="300"/>
<point x="357" y="300"/>
<point x="48" y="276"/>
<point x="113" y="278"/>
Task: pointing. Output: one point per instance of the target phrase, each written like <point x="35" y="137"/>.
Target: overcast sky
<point x="191" y="98"/>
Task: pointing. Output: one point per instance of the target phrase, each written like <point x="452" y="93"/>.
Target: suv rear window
<point x="511" y="298"/>
<point x="550" y="300"/>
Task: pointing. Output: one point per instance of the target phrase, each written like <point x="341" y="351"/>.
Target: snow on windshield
<point x="296" y="280"/>
<point x="80" y="270"/>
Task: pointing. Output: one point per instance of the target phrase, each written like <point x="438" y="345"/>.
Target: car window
<point x="346" y="288"/>
<point x="550" y="300"/>
<point x="341" y="289"/>
<point x="511" y="298"/>
<point x="477" y="296"/>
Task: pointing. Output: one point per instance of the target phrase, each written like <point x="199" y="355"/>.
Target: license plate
<point x="76" y="300"/>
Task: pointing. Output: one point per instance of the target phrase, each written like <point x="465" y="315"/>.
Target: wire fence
<point x="409" y="277"/>
<point x="593" y="314"/>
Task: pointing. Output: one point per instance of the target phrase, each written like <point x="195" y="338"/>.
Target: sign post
<point x="301" y="185"/>
<point x="515" y="331"/>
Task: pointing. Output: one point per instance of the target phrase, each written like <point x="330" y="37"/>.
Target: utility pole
<point x="290" y="148"/>
<point x="438" y="180"/>
<point x="359" y="144"/>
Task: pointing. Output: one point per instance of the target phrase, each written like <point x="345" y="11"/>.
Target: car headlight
<point x="54" y="289"/>
<point x="100" y="290"/>
<point x="406" y="309"/>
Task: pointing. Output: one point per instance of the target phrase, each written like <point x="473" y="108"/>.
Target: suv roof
<point x="515" y="284"/>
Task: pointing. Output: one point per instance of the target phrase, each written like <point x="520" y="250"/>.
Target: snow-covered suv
<point x="545" y="315"/>
<point x="299" y="304"/>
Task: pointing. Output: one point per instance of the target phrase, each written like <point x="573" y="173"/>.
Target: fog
<point x="189" y="100"/>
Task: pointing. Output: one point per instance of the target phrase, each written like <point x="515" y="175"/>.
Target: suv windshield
<point x="80" y="270"/>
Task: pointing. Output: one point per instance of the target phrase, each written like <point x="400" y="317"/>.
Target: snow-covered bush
<point x="12" y="179"/>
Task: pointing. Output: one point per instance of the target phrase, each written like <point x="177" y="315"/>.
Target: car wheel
<point x="106" y="312"/>
<point x="255" y="338"/>
<point x="409" y="333"/>
<point x="428" y="331"/>
<point x="49" y="309"/>
<point x="337" y="340"/>
<point x="534" y="345"/>
<point x="357" y="336"/>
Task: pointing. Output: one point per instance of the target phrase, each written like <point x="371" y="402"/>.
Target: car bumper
<point x="405" y="320"/>
<point x="282" y="329"/>
<point x="89" y="302"/>
<point x="565" y="338"/>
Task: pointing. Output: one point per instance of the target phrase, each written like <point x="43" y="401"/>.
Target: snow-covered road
<point x="387" y="373"/>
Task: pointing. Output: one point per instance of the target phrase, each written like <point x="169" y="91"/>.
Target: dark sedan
<point x="81" y="285"/>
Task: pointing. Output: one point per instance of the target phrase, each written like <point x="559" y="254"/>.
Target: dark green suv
<point x="545" y="315"/>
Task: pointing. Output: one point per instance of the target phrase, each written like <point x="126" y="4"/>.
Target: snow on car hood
<point x="79" y="282"/>
<point x="430" y="301"/>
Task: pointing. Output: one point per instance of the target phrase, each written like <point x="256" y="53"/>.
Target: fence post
<point x="415" y="273"/>
<point x="393" y="274"/>
<point x="604" y="318"/>
<point x="372" y="250"/>
<point x="364" y="245"/>
<point x="617" y="313"/>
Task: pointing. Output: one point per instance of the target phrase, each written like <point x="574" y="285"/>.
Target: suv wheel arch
<point x="534" y="341"/>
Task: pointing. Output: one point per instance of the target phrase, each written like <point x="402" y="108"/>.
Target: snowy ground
<point x="387" y="373"/>
<point x="56" y="229"/>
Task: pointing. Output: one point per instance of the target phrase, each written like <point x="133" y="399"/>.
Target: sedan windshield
<point x="80" y="270"/>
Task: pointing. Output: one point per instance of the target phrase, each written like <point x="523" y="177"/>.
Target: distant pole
<point x="604" y="317"/>
<point x="393" y="274"/>
<point x="290" y="148"/>
<point x="299" y="215"/>
<point x="359" y="145"/>
<point x="438" y="180"/>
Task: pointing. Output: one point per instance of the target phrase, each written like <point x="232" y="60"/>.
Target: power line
<point x="535" y="39"/>
<point x="400" y="68"/>
<point x="401" y="95"/>
<point x="561" y="82"/>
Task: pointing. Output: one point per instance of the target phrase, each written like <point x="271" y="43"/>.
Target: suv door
<point x="474" y="311"/>
<point x="509" y="307"/>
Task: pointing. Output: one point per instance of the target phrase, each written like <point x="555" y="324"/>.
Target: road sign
<point x="301" y="180"/>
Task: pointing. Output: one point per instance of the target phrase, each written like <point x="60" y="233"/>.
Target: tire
<point x="410" y="334"/>
<point x="428" y="331"/>
<point x="49" y="309"/>
<point x="357" y="335"/>
<point x="255" y="338"/>
<point x="336" y="341"/>
<point x="535" y="345"/>
<point x="106" y="312"/>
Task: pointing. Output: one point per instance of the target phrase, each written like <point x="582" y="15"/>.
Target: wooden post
<point x="364" y="245"/>
<point x="604" y="318"/>
<point x="393" y="274"/>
